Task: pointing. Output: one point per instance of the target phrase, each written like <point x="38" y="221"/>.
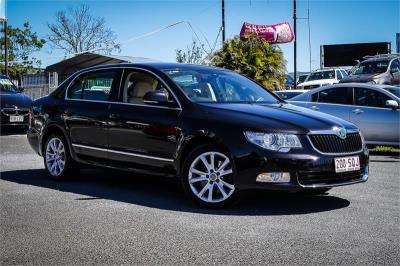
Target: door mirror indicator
<point x="156" y="98"/>
<point x="392" y="104"/>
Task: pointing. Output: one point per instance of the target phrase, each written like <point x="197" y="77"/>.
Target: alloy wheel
<point x="210" y="177"/>
<point x="55" y="156"/>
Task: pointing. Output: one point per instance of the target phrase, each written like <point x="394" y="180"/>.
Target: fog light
<point x="274" y="177"/>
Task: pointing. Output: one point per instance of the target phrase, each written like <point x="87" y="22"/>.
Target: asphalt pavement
<point x="109" y="217"/>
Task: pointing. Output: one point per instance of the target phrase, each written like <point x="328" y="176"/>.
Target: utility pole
<point x="223" y="22"/>
<point x="295" y="45"/>
<point x="5" y="49"/>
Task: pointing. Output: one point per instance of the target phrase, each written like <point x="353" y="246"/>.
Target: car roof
<point x="380" y="59"/>
<point x="156" y="65"/>
<point x="292" y="91"/>
<point x="327" y="69"/>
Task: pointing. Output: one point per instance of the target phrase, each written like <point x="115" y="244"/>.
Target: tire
<point x="207" y="177"/>
<point x="57" y="158"/>
<point x="315" y="191"/>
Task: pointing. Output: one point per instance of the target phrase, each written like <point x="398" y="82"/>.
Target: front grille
<point x="329" y="143"/>
<point x="324" y="178"/>
<point x="9" y="112"/>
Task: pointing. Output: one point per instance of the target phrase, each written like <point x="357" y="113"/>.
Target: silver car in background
<point x="373" y="108"/>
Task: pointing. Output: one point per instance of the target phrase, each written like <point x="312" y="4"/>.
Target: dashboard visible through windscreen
<point x="219" y="87"/>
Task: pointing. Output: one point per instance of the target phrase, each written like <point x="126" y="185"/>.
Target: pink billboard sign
<point x="277" y="33"/>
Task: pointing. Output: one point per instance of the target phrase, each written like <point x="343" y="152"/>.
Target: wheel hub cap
<point x="55" y="156"/>
<point x="210" y="177"/>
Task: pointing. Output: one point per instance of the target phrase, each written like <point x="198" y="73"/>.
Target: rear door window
<point x="370" y="98"/>
<point x="339" y="95"/>
<point x="95" y="86"/>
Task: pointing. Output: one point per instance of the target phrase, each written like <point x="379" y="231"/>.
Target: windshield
<point x="393" y="90"/>
<point x="372" y="67"/>
<point x="216" y="86"/>
<point x="302" y="78"/>
<point x="330" y="74"/>
<point x="7" y="86"/>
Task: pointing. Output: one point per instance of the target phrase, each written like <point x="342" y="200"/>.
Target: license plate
<point x="16" y="118"/>
<point x="346" y="164"/>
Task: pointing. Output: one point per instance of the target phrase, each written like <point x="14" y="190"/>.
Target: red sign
<point x="277" y="33"/>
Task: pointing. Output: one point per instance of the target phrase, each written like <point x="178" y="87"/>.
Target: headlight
<point x="371" y="82"/>
<point x="273" y="141"/>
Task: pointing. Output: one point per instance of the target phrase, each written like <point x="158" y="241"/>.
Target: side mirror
<point x="156" y="98"/>
<point x="393" y="104"/>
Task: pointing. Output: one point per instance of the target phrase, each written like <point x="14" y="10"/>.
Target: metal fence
<point x="39" y="85"/>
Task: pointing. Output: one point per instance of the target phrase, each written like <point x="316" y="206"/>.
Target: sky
<point x="332" y="22"/>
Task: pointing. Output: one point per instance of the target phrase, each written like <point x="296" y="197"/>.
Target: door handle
<point x="113" y="116"/>
<point x="315" y="108"/>
<point x="357" y="111"/>
<point x="67" y="113"/>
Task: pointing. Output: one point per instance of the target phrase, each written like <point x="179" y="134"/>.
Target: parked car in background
<point x="287" y="94"/>
<point x="322" y="77"/>
<point x="302" y="78"/>
<point x="217" y="131"/>
<point x="289" y="82"/>
<point x="373" y="108"/>
<point x="380" y="69"/>
<point x="13" y="103"/>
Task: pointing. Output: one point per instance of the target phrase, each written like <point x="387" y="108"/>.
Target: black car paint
<point x="169" y="133"/>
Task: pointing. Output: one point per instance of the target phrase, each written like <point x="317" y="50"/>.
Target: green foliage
<point x="255" y="58"/>
<point x="192" y="55"/>
<point x="21" y="43"/>
<point x="383" y="149"/>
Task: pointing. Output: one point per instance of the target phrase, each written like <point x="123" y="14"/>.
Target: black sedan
<point x="217" y="131"/>
<point x="13" y="103"/>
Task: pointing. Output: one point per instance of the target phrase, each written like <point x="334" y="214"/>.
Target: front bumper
<point x="307" y="170"/>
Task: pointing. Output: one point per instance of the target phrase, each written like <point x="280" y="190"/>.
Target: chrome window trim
<point x="119" y="89"/>
<point x="124" y="153"/>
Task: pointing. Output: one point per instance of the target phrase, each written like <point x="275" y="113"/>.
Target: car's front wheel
<point x="207" y="177"/>
<point x="57" y="160"/>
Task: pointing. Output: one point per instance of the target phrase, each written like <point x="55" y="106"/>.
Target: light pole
<point x="223" y="22"/>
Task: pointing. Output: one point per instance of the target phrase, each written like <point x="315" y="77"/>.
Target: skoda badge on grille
<point x="340" y="132"/>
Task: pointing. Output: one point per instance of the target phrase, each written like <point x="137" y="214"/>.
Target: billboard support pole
<point x="295" y="45"/>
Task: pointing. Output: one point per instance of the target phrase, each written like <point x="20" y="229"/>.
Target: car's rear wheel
<point x="57" y="159"/>
<point x="208" y="177"/>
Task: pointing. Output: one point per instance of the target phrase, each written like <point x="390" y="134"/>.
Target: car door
<point x="378" y="123"/>
<point x="86" y="110"/>
<point x="335" y="101"/>
<point x="143" y="134"/>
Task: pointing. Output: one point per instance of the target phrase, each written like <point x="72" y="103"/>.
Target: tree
<point x="255" y="58"/>
<point x="77" y="31"/>
<point x="21" y="43"/>
<point x="192" y="55"/>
